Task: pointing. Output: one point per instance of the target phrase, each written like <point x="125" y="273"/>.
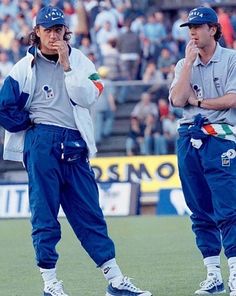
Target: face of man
<point x="49" y="37"/>
<point x="202" y="35"/>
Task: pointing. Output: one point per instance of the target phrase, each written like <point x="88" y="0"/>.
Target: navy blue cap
<point x="201" y="15"/>
<point x="50" y="16"/>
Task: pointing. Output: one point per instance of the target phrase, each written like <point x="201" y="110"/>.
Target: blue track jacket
<point x="83" y="85"/>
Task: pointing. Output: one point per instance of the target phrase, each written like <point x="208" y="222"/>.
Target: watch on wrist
<point x="199" y="102"/>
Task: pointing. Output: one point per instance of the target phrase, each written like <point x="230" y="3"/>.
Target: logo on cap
<point x="55" y="12"/>
<point x="55" y="18"/>
<point x="50" y="16"/>
<point x="195" y="13"/>
<point x="201" y="15"/>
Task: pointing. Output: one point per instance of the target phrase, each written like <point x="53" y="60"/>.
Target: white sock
<point x="48" y="275"/>
<point x="213" y="266"/>
<point x="112" y="272"/>
<point x="232" y="266"/>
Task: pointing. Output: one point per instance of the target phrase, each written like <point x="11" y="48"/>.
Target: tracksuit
<point x="208" y="178"/>
<point x="206" y="151"/>
<point x="56" y="154"/>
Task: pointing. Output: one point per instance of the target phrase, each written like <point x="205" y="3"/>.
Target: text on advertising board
<point x="152" y="172"/>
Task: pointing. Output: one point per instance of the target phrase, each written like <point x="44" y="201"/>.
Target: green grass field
<point x="158" y="252"/>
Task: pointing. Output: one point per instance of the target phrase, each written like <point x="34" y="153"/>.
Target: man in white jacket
<point x="45" y="108"/>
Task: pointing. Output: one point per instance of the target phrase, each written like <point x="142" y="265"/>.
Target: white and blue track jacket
<point x="83" y="86"/>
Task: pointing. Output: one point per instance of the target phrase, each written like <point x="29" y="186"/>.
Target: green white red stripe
<point x="95" y="78"/>
<point x="222" y="130"/>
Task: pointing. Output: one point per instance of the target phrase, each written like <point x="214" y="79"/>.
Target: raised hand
<point x="191" y="51"/>
<point x="63" y="51"/>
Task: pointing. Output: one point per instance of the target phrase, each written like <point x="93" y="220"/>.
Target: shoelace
<point x="56" y="288"/>
<point x="126" y="283"/>
<point x="208" y="283"/>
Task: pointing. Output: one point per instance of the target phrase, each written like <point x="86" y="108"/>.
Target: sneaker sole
<point x="207" y="293"/>
<point x="49" y="294"/>
<point x="143" y="294"/>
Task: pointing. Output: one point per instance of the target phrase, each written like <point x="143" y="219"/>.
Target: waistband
<point x="56" y="129"/>
<point x="220" y="130"/>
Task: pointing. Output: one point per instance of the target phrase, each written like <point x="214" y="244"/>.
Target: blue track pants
<point x="208" y="180"/>
<point x="54" y="182"/>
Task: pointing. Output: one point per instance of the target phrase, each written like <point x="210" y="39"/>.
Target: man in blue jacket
<point x="45" y="107"/>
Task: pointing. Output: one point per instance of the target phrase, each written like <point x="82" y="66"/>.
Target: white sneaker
<point x="54" y="288"/>
<point x="212" y="285"/>
<point x="232" y="285"/>
<point x="126" y="288"/>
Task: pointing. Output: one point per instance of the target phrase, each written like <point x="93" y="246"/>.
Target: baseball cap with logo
<point x="201" y="15"/>
<point x="50" y="16"/>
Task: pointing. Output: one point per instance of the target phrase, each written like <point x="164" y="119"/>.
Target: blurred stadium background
<point x="135" y="46"/>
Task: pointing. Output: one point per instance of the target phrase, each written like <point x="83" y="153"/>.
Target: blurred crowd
<point x="128" y="41"/>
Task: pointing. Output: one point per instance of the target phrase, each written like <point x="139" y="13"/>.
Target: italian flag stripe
<point x="95" y="78"/>
<point x="227" y="129"/>
<point x="209" y="129"/>
<point x="99" y="86"/>
<point x="223" y="130"/>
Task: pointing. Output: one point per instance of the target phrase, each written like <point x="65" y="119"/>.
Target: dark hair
<point x="35" y="40"/>
<point x="218" y="33"/>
